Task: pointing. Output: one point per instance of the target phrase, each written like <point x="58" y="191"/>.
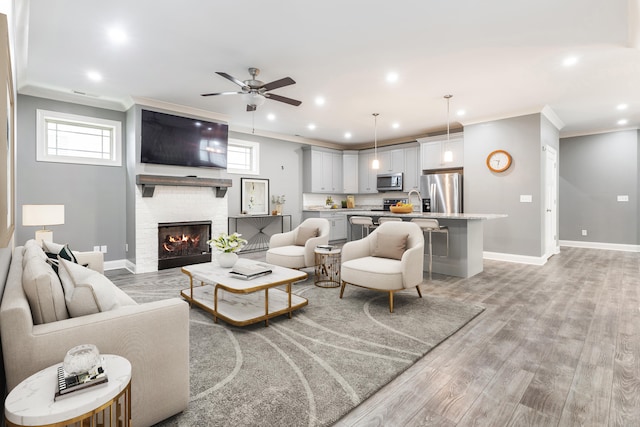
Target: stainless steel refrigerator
<point x="441" y="192"/>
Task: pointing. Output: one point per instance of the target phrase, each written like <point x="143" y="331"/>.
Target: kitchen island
<point x="465" y="258"/>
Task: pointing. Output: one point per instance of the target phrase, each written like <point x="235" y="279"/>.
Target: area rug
<point x="309" y="370"/>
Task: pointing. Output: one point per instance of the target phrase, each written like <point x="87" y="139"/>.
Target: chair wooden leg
<point x="391" y="301"/>
<point x="342" y="288"/>
<point x="418" y="289"/>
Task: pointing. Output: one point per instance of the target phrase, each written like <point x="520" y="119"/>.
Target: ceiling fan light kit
<point x="255" y="92"/>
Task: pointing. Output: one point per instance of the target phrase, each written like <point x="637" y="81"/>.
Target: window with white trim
<point x="243" y="157"/>
<point x="70" y="138"/>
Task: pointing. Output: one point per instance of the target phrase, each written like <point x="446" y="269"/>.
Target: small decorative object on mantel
<point x="228" y="245"/>
<point x="278" y="201"/>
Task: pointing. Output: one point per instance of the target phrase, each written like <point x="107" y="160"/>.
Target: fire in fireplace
<point x="183" y="243"/>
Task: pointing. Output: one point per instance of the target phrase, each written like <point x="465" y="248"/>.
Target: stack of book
<point x="249" y="271"/>
<point x="70" y="383"/>
<point x="325" y="247"/>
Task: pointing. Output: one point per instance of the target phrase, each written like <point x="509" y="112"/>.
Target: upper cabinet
<point x="412" y="172"/>
<point x="391" y="161"/>
<point x="350" y="172"/>
<point x="366" y="175"/>
<point x="322" y="171"/>
<point x="432" y="152"/>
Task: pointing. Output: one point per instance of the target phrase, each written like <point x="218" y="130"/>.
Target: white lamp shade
<point x="254" y="99"/>
<point x="448" y="156"/>
<point x="375" y="164"/>
<point x="42" y="215"/>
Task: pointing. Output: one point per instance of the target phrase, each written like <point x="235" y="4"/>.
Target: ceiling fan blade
<point x="283" y="99"/>
<point x="221" y="93"/>
<point x="279" y="83"/>
<point x="233" y="79"/>
<point x="251" y="107"/>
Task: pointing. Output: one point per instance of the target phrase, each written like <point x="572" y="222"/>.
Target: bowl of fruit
<point x="401" y="208"/>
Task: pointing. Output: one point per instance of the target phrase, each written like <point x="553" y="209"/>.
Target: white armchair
<point x="294" y="249"/>
<point x="390" y="259"/>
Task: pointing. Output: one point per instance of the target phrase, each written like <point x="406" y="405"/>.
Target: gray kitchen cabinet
<point x="432" y="151"/>
<point x="322" y="171"/>
<point x="337" y="221"/>
<point x="412" y="172"/>
<point x="366" y="175"/>
<point x="350" y="172"/>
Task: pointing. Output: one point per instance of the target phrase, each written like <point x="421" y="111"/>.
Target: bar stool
<point x="365" y="223"/>
<point x="430" y="225"/>
<point x="384" y="219"/>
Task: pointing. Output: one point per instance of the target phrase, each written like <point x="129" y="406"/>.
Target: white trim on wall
<point x="601" y="245"/>
<point x="520" y="259"/>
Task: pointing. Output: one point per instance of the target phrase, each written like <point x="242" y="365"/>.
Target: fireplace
<point x="183" y="243"/>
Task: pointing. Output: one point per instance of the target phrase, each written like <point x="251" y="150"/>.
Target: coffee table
<point x="242" y="302"/>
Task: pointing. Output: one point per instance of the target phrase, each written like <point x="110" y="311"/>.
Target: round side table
<point x="327" y="271"/>
<point x="32" y="402"/>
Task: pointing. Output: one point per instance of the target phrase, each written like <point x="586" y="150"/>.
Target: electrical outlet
<point x="126" y="247"/>
<point x="103" y="249"/>
<point x="526" y="198"/>
<point x="96" y="249"/>
<point x="623" y="198"/>
<point x="584" y="232"/>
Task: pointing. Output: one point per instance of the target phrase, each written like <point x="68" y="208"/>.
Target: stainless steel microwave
<point x="389" y="182"/>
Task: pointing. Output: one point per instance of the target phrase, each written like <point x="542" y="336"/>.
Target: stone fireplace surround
<point x="173" y="204"/>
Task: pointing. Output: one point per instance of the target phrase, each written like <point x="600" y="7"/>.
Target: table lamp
<point x="43" y="215"/>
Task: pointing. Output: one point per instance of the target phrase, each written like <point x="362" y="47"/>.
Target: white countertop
<point x="463" y="216"/>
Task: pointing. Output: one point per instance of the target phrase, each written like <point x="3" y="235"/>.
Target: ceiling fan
<point x="255" y="91"/>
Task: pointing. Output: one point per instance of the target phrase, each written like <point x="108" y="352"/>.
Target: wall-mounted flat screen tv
<point x="172" y="140"/>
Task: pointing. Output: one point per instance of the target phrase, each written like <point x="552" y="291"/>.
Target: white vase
<point x="227" y="259"/>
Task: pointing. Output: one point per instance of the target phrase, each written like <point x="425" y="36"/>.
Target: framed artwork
<point x="254" y="196"/>
<point x="7" y="139"/>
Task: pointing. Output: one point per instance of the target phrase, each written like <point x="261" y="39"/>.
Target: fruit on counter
<point x="408" y="205"/>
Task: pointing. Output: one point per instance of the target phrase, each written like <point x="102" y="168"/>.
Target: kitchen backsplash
<point x="363" y="201"/>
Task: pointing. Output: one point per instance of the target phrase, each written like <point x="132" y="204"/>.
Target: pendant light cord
<point x="375" y="135"/>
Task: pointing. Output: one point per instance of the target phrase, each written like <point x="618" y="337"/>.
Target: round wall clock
<point x="499" y="161"/>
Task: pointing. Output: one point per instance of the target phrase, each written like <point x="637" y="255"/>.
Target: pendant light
<point x="376" y="163"/>
<point x="448" y="154"/>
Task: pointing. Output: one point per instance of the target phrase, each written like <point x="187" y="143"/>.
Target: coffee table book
<point x="249" y="271"/>
<point x="70" y="383"/>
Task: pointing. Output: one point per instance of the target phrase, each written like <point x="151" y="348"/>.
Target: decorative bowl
<point x="401" y="209"/>
<point x="81" y="358"/>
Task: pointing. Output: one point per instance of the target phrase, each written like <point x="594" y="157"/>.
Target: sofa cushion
<point x="85" y="291"/>
<point x="373" y="272"/>
<point x="31" y="251"/>
<point x="43" y="290"/>
<point x="287" y="256"/>
<point x="390" y="245"/>
<point x="55" y="250"/>
<point x="305" y="233"/>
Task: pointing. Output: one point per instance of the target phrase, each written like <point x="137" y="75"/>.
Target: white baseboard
<point x="520" y="259"/>
<point x="120" y="263"/>
<point x="600" y="245"/>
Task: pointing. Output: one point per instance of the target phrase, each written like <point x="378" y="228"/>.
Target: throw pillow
<point x="44" y="291"/>
<point x="85" y="291"/>
<point x="53" y="250"/>
<point x="390" y="245"/>
<point x="304" y="234"/>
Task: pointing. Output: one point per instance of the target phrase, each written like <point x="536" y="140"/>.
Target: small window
<point x="68" y="138"/>
<point x="243" y="157"/>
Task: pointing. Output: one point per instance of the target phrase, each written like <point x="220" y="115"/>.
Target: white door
<point x="551" y="201"/>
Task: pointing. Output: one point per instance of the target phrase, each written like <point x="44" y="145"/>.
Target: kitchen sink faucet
<point x="412" y="191"/>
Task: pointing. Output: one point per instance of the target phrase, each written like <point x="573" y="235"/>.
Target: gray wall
<point x="594" y="170"/>
<point x="521" y="233"/>
<point x="93" y="195"/>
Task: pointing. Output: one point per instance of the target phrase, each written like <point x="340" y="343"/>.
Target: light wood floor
<point x="558" y="345"/>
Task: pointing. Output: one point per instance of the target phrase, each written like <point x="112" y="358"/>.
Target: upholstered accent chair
<point x="389" y="259"/>
<point x="295" y="248"/>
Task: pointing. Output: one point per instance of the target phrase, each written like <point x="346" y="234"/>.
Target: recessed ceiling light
<point x="271" y="116"/>
<point x="197" y="124"/>
<point x="320" y="100"/>
<point x="311" y="126"/>
<point x="117" y="35"/>
<point x="395" y="125"/>
<point x="570" y="61"/>
<point x="461" y="112"/>
<point x="347" y="135"/>
<point x="392" y="77"/>
<point x="94" y="76"/>
<point x="622" y="106"/>
<point x="623" y="121"/>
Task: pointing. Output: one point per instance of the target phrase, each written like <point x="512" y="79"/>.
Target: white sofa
<point x="154" y="337"/>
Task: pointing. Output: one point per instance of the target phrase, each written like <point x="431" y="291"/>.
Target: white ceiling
<point x="499" y="58"/>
